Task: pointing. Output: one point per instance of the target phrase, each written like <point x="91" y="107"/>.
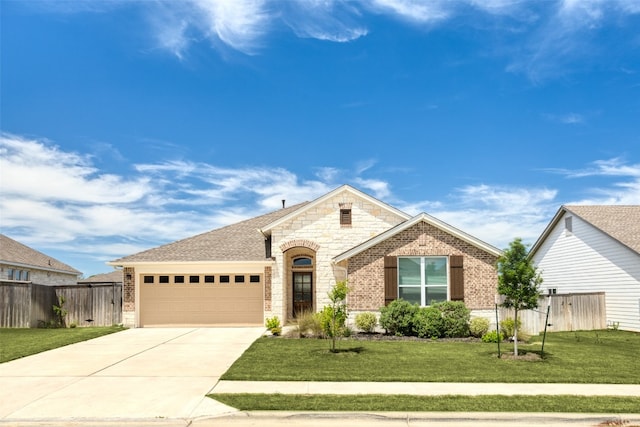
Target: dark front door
<point x="302" y="293"/>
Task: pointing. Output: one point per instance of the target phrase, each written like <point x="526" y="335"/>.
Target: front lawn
<point x="606" y="356"/>
<point x="20" y="342"/>
<point x="409" y="403"/>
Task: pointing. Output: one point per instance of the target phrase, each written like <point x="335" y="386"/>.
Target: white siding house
<point x="594" y="249"/>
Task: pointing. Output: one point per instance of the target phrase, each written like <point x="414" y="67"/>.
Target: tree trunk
<point x="515" y="332"/>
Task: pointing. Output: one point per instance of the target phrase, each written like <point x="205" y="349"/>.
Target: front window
<point x="422" y="280"/>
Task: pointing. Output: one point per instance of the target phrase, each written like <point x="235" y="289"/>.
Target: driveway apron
<point x="133" y="374"/>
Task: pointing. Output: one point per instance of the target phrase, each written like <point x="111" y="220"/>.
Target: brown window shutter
<point x="390" y="279"/>
<point x="456" y="271"/>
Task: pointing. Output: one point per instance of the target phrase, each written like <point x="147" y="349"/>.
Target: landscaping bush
<point x="366" y="322"/>
<point x="397" y="317"/>
<point x="455" y="316"/>
<point x="428" y="323"/>
<point x="309" y="324"/>
<point x="507" y="326"/>
<point x="273" y="325"/>
<point x="492" y="336"/>
<point x="478" y="326"/>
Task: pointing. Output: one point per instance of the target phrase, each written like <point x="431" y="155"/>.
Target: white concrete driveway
<point x="159" y="373"/>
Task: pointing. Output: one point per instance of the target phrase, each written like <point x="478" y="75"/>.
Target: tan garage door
<point x="201" y="304"/>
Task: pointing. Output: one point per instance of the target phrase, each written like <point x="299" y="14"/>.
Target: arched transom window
<point x="302" y="262"/>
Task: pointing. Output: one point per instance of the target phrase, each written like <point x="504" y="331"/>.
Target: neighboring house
<point x="284" y="263"/>
<point x="114" y="276"/>
<point x="21" y="264"/>
<point x="594" y="249"/>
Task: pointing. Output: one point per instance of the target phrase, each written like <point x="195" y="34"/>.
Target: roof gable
<point x="241" y="241"/>
<point x="620" y="222"/>
<point x="410" y="223"/>
<point x="13" y="252"/>
<point x="345" y="188"/>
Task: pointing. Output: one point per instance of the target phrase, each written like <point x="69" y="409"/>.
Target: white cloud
<point x="413" y="10"/>
<point x="624" y="190"/>
<point x="379" y="188"/>
<point x="328" y="20"/>
<point x="567" y="36"/>
<point x="498" y="214"/>
<point x="553" y="37"/>
<point x="69" y="176"/>
<point x="95" y="216"/>
<point x="238" y="23"/>
<point x="568" y="119"/>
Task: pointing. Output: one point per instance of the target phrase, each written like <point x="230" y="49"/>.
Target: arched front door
<point x="302" y="286"/>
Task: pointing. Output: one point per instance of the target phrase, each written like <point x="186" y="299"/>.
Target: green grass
<point x="19" y="342"/>
<point x="606" y="356"/>
<point x="409" y="403"/>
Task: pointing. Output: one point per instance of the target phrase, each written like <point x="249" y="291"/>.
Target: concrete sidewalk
<point x="425" y="389"/>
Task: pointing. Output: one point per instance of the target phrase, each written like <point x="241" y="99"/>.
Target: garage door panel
<point x="201" y="305"/>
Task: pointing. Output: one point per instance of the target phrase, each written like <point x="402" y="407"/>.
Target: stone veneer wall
<point x="319" y="227"/>
<point x="366" y="270"/>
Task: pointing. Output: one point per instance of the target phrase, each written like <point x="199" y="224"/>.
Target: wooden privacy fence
<point x="569" y="312"/>
<point x="28" y="305"/>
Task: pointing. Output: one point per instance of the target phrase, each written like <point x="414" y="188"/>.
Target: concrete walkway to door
<point x="149" y="373"/>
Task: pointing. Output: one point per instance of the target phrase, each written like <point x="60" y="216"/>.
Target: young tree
<point x="335" y="314"/>
<point x="518" y="282"/>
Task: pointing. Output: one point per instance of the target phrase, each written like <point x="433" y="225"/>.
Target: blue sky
<point x="128" y="124"/>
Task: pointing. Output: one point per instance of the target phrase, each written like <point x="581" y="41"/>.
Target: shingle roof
<point x="618" y="221"/>
<point x="236" y="242"/>
<point x="113" y="276"/>
<point x="13" y="252"/>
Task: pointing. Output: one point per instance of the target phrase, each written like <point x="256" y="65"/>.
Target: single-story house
<point x="22" y="264"/>
<point x="594" y="249"/>
<point x="285" y="262"/>
<point x="114" y="277"/>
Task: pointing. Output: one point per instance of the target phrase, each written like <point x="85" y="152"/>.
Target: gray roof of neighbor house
<point x="15" y="253"/>
<point x="111" y="277"/>
<point x="621" y="222"/>
<point x="242" y="241"/>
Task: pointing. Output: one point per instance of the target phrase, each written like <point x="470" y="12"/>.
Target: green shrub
<point x="397" y="317"/>
<point x="428" y="322"/>
<point x="308" y="324"/>
<point x="492" y="336"/>
<point x="273" y="325"/>
<point x="478" y="326"/>
<point x="366" y="321"/>
<point x="507" y="326"/>
<point x="456" y="318"/>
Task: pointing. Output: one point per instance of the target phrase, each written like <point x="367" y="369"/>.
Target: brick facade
<point x="267" y="289"/>
<point x="366" y="270"/>
<point x="129" y="289"/>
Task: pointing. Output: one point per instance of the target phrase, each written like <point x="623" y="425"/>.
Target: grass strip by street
<point x="447" y="403"/>
<point x="598" y="357"/>
<point x="21" y="342"/>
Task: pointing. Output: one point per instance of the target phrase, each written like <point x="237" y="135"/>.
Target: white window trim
<point x="422" y="285"/>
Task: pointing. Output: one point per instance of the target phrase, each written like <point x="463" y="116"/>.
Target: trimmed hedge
<point x="448" y="319"/>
